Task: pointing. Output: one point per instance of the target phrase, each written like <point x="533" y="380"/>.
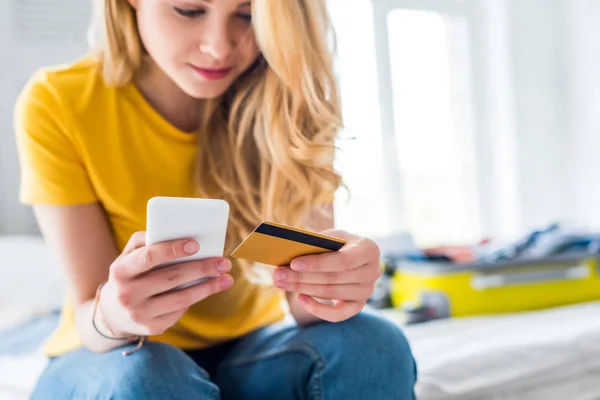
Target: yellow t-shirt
<point x="80" y="141"/>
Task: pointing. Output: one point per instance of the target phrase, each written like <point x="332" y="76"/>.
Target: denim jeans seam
<point x="316" y="379"/>
<point x="306" y="349"/>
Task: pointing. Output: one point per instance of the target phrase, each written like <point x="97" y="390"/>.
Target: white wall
<point x="584" y="162"/>
<point x="539" y="113"/>
<point x="556" y="79"/>
<point x="539" y="45"/>
<point x="5" y="117"/>
<point x="496" y="129"/>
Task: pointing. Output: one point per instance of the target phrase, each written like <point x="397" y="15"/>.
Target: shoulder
<point x="68" y="81"/>
<point x="68" y="97"/>
<point x="47" y="123"/>
<point x="70" y="86"/>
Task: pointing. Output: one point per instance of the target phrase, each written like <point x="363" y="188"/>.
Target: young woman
<point x="230" y="99"/>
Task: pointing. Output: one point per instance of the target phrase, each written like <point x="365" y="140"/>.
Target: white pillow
<point x="31" y="283"/>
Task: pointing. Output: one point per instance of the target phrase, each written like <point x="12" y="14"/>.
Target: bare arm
<point x="138" y="300"/>
<point x="81" y="239"/>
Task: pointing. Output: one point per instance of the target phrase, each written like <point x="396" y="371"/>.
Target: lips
<point x="213" y="74"/>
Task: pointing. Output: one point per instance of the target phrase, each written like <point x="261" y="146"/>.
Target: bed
<point x="31" y="292"/>
<point x="550" y="354"/>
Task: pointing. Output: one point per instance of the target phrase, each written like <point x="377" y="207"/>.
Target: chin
<point x="206" y="94"/>
<point x="206" y="91"/>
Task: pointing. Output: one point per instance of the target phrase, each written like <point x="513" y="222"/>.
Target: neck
<point x="168" y="99"/>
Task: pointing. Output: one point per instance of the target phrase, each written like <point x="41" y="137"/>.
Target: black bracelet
<point x="96" y="302"/>
<point x="140" y="339"/>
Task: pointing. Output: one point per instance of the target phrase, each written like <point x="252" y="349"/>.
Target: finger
<point x="338" y="312"/>
<point x="160" y="324"/>
<point x="145" y="258"/>
<point x="184" y="298"/>
<point x="154" y="325"/>
<point x="365" y="274"/>
<point x="137" y="240"/>
<point x="354" y="292"/>
<point x="170" y="277"/>
<point x="353" y="255"/>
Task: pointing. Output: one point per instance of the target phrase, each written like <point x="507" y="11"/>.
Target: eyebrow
<point x="241" y="5"/>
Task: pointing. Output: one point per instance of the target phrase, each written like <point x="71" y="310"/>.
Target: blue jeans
<point x="365" y="357"/>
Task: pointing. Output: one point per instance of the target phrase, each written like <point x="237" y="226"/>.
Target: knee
<point x="157" y="371"/>
<point x="374" y="334"/>
<point x="153" y="360"/>
<point x="374" y="342"/>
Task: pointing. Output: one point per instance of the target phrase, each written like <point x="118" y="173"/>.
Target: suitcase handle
<point x="496" y="280"/>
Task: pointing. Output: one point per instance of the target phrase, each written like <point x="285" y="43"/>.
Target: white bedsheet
<point x="19" y="374"/>
<point x="550" y="354"/>
<point x="32" y="284"/>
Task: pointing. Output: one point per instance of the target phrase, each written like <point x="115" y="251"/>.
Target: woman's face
<point x="202" y="45"/>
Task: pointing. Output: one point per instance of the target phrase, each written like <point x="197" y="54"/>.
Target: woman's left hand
<point x="344" y="279"/>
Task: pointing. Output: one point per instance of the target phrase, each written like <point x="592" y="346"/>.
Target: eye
<point x="245" y="16"/>
<point x="191" y="13"/>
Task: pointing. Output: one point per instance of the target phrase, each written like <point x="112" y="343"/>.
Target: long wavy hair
<point x="270" y="146"/>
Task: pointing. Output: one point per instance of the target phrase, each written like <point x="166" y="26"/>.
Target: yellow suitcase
<point x="444" y="290"/>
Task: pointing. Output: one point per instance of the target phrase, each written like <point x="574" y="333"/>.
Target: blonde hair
<point x="270" y="145"/>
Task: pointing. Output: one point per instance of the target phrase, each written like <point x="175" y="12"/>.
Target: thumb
<point x="136" y="241"/>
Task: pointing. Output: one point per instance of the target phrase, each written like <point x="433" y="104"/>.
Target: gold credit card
<point x="276" y="244"/>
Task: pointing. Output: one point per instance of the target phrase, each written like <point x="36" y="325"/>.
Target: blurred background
<point x="472" y="118"/>
<point x="465" y="120"/>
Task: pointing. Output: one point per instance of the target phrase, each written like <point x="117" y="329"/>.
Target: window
<point x="365" y="212"/>
<point x="412" y="165"/>
<point x="432" y="124"/>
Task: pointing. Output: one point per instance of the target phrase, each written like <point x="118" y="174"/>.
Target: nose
<point x="217" y="41"/>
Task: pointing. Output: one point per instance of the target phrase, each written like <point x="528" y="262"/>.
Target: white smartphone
<point x="204" y="220"/>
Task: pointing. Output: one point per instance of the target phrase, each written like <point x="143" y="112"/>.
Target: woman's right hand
<point x="136" y="299"/>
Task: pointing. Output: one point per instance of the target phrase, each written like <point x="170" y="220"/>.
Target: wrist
<point x="103" y="326"/>
<point x="124" y="339"/>
<point x="108" y="328"/>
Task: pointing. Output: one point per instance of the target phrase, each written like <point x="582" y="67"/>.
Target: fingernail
<point x="279" y="275"/>
<point x="223" y="266"/>
<point x="226" y="282"/>
<point x="191" y="247"/>
<point x="298" y="265"/>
